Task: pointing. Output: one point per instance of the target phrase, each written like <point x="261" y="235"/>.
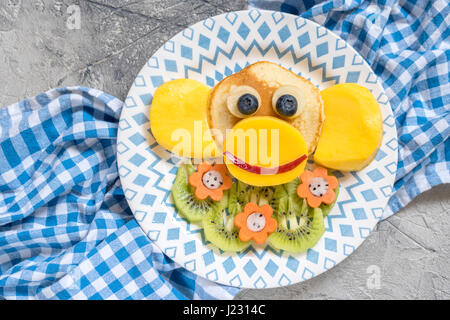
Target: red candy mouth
<point x="261" y="170"/>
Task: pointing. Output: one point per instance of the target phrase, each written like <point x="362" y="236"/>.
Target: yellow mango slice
<point x="352" y="131"/>
<point x="178" y="118"/>
<point x="265" y="142"/>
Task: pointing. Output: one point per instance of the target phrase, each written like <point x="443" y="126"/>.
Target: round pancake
<point x="266" y="77"/>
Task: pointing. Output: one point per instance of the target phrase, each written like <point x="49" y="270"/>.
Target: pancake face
<point x="266" y="78"/>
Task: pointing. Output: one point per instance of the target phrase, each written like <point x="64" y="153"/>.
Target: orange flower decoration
<point x="317" y="187"/>
<point x="210" y="181"/>
<point x="255" y="223"/>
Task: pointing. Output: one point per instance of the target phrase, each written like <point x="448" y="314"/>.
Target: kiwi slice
<point x="219" y="226"/>
<point x="187" y="204"/>
<point x="298" y="230"/>
<point x="326" y="208"/>
<point x="292" y="186"/>
<point x="279" y="199"/>
<point x="238" y="197"/>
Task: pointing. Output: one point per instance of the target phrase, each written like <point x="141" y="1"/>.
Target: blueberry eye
<point x="248" y="104"/>
<point x="287" y="105"/>
<point x="287" y="101"/>
<point x="243" y="101"/>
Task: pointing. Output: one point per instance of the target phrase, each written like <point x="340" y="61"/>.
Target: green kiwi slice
<point x="292" y="186"/>
<point x="326" y="208"/>
<point x="298" y="230"/>
<point x="185" y="201"/>
<point x="238" y="197"/>
<point x="219" y="226"/>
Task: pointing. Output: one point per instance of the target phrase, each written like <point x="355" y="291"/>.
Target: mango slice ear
<point x="178" y="119"/>
<point x="353" y="128"/>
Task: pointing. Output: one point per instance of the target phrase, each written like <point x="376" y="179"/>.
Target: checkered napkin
<point x="66" y="231"/>
<point x="407" y="43"/>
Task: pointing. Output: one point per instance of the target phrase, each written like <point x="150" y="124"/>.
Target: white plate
<point x="209" y="51"/>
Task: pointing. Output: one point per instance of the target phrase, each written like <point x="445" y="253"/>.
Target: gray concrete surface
<point x="38" y="51"/>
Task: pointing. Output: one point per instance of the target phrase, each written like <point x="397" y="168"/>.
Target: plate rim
<point x="262" y="12"/>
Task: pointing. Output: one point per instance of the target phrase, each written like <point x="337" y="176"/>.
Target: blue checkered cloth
<point x="66" y="231"/>
<point x="65" y="228"/>
<point x="407" y="43"/>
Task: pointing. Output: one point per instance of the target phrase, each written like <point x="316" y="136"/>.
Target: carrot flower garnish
<point x="255" y="223"/>
<point x="210" y="181"/>
<point x="317" y="187"/>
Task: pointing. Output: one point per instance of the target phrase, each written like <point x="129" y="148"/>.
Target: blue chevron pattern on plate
<point x="209" y="51"/>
